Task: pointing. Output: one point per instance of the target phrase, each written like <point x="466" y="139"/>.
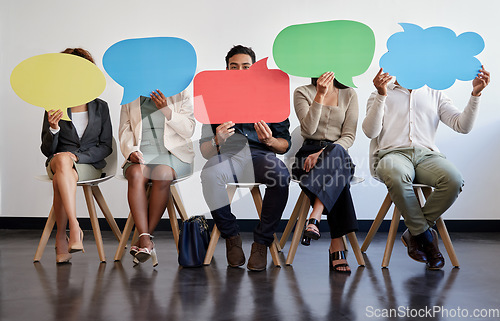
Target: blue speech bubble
<point x="146" y="64"/>
<point x="435" y="56"/>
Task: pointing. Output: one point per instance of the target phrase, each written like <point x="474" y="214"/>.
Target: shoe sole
<point x="236" y="265"/>
<point x="312" y="235"/>
<point x="255" y="270"/>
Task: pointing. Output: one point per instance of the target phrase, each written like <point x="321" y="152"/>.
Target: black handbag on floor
<point x="193" y="241"/>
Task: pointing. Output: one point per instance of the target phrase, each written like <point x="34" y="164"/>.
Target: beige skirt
<point x="85" y="171"/>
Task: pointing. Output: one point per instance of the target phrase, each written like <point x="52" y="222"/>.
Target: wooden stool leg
<point x="49" y="225"/>
<point x="304" y="209"/>
<point x="96" y="191"/>
<point x="376" y="223"/>
<point x="292" y="221"/>
<point x="445" y="237"/>
<point x="355" y="248"/>
<point x="274" y="253"/>
<point x="214" y="238"/>
<point x="125" y="235"/>
<point x="173" y="221"/>
<point x="178" y="203"/>
<point x="274" y="248"/>
<point x="391" y="237"/>
<point x="95" y="223"/>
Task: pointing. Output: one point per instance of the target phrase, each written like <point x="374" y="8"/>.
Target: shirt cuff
<point x="380" y="98"/>
<point x="54" y="131"/>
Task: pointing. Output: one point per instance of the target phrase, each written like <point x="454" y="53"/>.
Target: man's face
<point x="239" y="62"/>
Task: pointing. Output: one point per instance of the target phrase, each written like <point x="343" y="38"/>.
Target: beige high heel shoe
<point x="77" y="246"/>
<point x="63" y="257"/>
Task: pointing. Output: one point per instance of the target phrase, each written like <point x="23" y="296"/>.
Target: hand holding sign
<point x="146" y="64"/>
<point x="435" y="56"/>
<point x="242" y="96"/>
<point x="57" y="81"/>
<point x="309" y="50"/>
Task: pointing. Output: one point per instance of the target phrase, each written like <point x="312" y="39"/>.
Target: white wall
<point x="29" y="27"/>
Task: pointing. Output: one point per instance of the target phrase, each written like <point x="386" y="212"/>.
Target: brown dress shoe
<point x="435" y="260"/>
<point x="258" y="257"/>
<point x="234" y="252"/>
<point x="414" y="249"/>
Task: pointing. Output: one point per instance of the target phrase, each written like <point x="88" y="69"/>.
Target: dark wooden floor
<point x="89" y="290"/>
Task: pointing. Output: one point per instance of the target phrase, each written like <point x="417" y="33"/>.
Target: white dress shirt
<point x="410" y="119"/>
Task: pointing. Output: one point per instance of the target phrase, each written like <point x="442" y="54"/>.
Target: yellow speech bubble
<point x="57" y="81"/>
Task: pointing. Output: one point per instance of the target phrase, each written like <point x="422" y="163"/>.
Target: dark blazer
<point x="95" y="144"/>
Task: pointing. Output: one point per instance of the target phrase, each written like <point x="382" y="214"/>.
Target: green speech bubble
<point x="309" y="50"/>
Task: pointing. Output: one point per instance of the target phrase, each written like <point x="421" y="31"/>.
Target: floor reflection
<point x="85" y="290"/>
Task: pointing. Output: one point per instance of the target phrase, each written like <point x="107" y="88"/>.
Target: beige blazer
<point x="177" y="133"/>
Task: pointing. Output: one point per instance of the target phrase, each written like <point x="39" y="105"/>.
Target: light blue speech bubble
<point x="435" y="56"/>
<point x="146" y="64"/>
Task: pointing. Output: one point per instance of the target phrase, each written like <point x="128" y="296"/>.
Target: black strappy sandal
<point x="307" y="235"/>
<point x="338" y="255"/>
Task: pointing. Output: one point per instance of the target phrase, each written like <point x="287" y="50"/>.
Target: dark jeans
<point x="246" y="166"/>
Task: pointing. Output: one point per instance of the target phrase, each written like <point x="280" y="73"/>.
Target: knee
<point x="212" y="174"/>
<point x="393" y="176"/>
<point x="61" y="162"/>
<point x="453" y="182"/>
<point x="163" y="173"/>
<point x="277" y="175"/>
<point x="135" y="174"/>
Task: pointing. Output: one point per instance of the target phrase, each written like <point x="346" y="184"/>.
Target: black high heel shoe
<point x="307" y="235"/>
<point x="338" y="255"/>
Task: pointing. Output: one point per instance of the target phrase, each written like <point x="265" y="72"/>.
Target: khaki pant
<point x="400" y="168"/>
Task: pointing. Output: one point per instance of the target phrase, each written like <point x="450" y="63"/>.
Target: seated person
<point x="155" y="139"/>
<point x="403" y="123"/>
<point x="232" y="150"/>
<point x="75" y="152"/>
<point x="328" y="115"/>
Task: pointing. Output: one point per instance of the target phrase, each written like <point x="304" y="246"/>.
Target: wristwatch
<point x="214" y="143"/>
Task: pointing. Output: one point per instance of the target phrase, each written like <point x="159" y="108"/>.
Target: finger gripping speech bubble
<point x="143" y="65"/>
<point x="242" y="96"/>
<point x="309" y="50"/>
<point x="57" y="81"/>
<point x="435" y="56"/>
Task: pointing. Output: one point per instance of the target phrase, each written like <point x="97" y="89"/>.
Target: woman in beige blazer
<point x="155" y="139"/>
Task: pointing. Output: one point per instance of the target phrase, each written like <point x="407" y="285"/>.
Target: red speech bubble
<point x="242" y="96"/>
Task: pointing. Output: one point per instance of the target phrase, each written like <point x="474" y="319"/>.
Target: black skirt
<point x="329" y="180"/>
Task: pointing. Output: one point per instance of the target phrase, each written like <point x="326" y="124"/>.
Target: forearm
<point x="49" y="140"/>
<point x="208" y="149"/>
<point x="372" y="124"/>
<point x="461" y="122"/>
<point x="308" y="114"/>
<point x="278" y="145"/>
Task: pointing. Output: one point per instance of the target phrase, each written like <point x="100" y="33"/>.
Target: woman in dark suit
<point x="75" y="152"/>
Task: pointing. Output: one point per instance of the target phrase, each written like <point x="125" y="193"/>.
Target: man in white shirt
<point x="402" y="124"/>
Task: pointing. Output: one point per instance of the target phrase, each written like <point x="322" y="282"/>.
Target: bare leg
<point x="137" y="176"/>
<point x="162" y="177"/>
<point x="316" y="214"/>
<point x="61" y="221"/>
<point x="64" y="183"/>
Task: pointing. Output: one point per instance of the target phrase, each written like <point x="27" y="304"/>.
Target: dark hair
<point x="314" y="82"/>
<point x="239" y="49"/>
<point x="80" y="53"/>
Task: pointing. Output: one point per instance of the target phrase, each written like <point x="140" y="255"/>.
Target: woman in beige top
<point x="328" y="115"/>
